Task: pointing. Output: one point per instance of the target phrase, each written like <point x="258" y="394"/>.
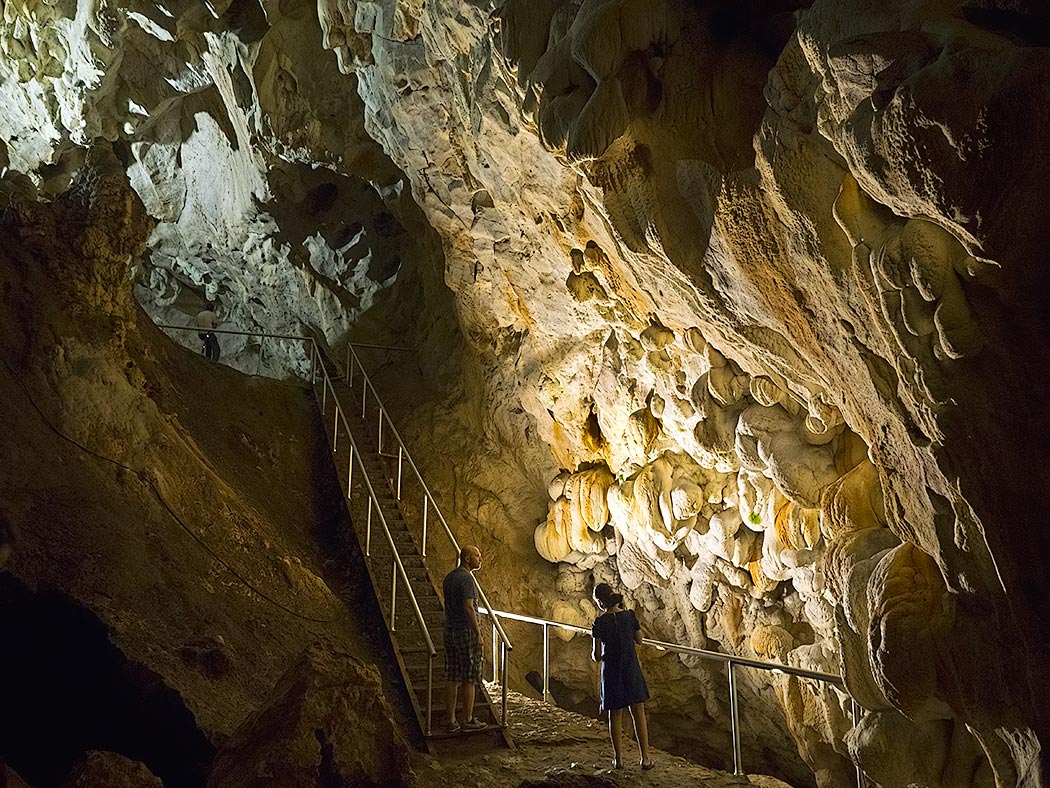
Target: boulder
<point x="327" y="723"/>
<point x="110" y="770"/>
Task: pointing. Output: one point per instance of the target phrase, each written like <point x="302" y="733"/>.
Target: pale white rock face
<point x="266" y="203"/>
<point x="750" y="300"/>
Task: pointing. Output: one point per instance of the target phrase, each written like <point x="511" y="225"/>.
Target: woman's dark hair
<point x="606" y="597"/>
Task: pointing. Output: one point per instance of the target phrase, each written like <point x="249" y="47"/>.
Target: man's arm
<point x="472" y="617"/>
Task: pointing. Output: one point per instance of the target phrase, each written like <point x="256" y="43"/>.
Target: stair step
<point x="383" y="566"/>
<point x="442" y="733"/>
<point x="418" y="662"/>
<point x="438" y="715"/>
<point x="420" y="649"/>
<point x="434" y="619"/>
<point x="427" y="605"/>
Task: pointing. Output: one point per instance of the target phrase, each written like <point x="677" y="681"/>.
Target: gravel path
<point x="559" y="749"/>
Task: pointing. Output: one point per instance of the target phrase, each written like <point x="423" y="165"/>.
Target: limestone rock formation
<point x="758" y="286"/>
<point x="110" y="769"/>
<point x="327" y="723"/>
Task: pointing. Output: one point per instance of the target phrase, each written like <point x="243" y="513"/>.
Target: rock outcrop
<point x="110" y="769"/>
<point x="328" y="723"/>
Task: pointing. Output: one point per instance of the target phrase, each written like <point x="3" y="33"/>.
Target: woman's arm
<point x="637" y="629"/>
<point x="596" y="650"/>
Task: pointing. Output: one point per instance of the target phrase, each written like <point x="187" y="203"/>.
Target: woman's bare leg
<point x="641" y="731"/>
<point x="616" y="733"/>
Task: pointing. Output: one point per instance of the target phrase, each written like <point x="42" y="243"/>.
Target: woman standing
<point x="616" y="633"/>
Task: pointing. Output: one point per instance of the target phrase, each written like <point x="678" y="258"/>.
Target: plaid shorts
<point x="462" y="655"/>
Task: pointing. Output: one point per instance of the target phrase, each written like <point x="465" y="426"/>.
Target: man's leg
<point x="468" y="700"/>
<point x="451" y="690"/>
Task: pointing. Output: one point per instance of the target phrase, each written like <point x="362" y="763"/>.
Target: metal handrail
<point x="263" y="334"/>
<point x="381" y="347"/>
<point x="662" y="645"/>
<point x="373" y="504"/>
<point x="415" y="469"/>
<point x="402" y="455"/>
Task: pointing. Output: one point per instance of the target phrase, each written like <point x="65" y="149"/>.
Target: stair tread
<point x="440" y="732"/>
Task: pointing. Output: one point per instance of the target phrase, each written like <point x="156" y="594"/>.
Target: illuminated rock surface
<point x="745" y="313"/>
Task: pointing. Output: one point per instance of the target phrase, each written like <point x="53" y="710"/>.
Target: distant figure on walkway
<point x="207" y="322"/>
<point x="462" y="640"/>
<point x="616" y="634"/>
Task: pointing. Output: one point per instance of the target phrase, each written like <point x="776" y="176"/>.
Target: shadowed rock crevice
<point x="70" y="690"/>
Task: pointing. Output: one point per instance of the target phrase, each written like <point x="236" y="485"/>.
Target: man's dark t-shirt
<point x="458" y="586"/>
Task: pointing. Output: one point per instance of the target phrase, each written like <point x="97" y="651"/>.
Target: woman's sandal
<point x="617" y="764"/>
<point x="647" y="766"/>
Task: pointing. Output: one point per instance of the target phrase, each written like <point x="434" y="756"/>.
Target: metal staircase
<point x="384" y="492"/>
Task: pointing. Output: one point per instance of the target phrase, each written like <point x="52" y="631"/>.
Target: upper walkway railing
<point x="318" y="372"/>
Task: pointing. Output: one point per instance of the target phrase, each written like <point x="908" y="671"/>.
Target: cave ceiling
<point x="760" y="287"/>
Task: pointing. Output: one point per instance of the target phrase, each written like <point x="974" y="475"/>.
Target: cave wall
<point x="764" y="282"/>
<point x="170" y="526"/>
<point x="747" y="308"/>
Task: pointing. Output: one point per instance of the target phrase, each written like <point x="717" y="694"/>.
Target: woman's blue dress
<point x="622" y="682"/>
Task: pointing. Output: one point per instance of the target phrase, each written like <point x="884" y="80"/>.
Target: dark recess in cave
<point x="68" y="689"/>
<point x="321" y="198"/>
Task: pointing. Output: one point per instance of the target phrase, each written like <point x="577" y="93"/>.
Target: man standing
<point x="207" y="322"/>
<point x="462" y="640"/>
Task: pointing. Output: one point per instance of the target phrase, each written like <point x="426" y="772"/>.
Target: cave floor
<point x="555" y="747"/>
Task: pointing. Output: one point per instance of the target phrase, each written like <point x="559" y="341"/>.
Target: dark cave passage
<point x="68" y="689"/>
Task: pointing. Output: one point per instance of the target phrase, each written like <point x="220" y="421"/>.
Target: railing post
<point x="393" y="591"/>
<point x="546" y="665"/>
<point x="380" y="451"/>
<point x="503" y="684"/>
<point x="400" y="456"/>
<point x="335" y="424"/>
<point x="364" y="396"/>
<point x="349" y="370"/>
<point x="324" y="398"/>
<point x="368" y="530"/>
<point x="495" y="645"/>
<point x="734" y="715"/>
<point x="313" y="364"/>
<point x="350" y="468"/>
<point x="426" y="502"/>
<point x="430" y="689"/>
